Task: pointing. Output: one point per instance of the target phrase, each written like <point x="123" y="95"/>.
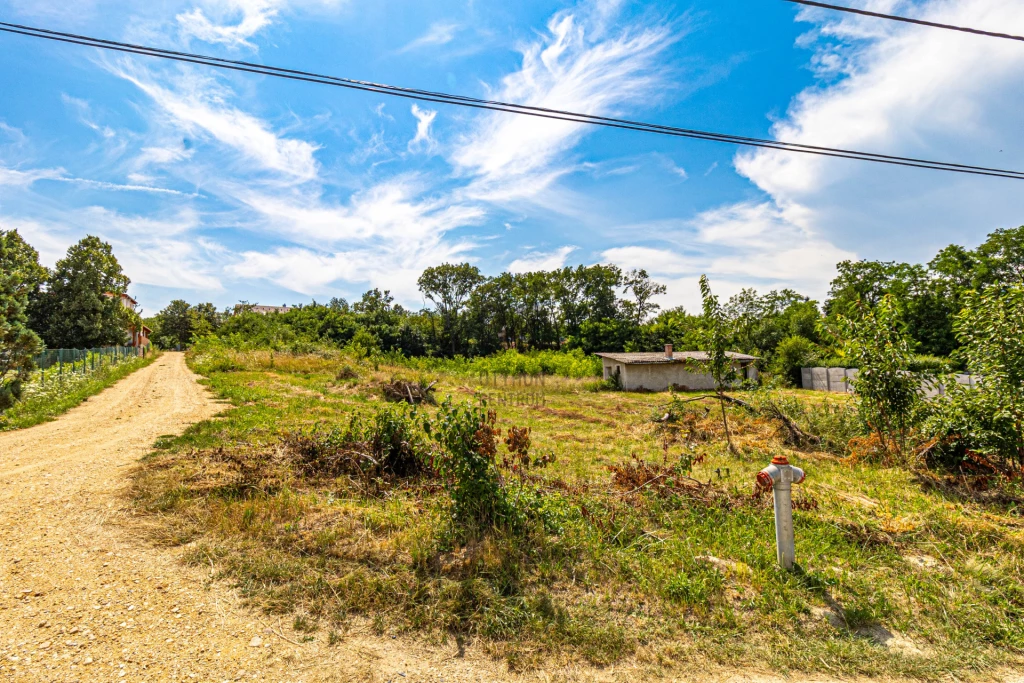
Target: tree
<point x="643" y="289"/>
<point x="887" y="394"/>
<point x="31" y="277"/>
<point x="792" y="354"/>
<point x="449" y="286"/>
<point x="715" y="336"/>
<point x="80" y="311"/>
<point x="175" y="324"/>
<point x="17" y="342"/>
<point x="922" y="301"/>
<point x="1000" y="259"/>
<point x="204" y="319"/>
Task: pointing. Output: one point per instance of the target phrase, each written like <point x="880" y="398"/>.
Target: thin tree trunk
<point x="725" y="422"/>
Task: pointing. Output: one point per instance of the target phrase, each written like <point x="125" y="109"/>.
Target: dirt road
<point x="81" y="599"/>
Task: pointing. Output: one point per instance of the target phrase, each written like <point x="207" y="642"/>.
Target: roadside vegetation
<point x="77" y="306"/>
<point x="47" y="395"/>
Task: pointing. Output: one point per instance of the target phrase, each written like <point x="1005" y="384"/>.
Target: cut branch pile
<point x="410" y="392"/>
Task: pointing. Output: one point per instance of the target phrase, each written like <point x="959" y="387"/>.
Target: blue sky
<point x="225" y="187"/>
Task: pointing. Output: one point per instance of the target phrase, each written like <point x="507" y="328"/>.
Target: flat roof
<point x="658" y="357"/>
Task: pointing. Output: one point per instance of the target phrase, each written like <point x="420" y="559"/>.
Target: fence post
<point x="60" y="364"/>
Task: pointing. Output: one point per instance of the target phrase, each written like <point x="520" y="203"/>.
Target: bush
<point x="887" y="394"/>
<point x="986" y="421"/>
<point x="792" y="354"/>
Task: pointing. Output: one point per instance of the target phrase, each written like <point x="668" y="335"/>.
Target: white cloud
<point x="907" y="91"/>
<point x="384" y="236"/>
<point x="85" y="115"/>
<point x="12" y="177"/>
<point x="439" y="33"/>
<point x="234" y="22"/>
<point x="746" y="244"/>
<point x="540" y="260"/>
<point x="157" y="251"/>
<point x="424" y="119"/>
<point x="511" y="156"/>
<point x="198" y="105"/>
<point x="162" y="155"/>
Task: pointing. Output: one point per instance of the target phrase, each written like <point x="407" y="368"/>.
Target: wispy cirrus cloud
<point x="510" y="156"/>
<point x="423" y="141"/>
<point x="199" y="106"/>
<point x="439" y="33"/>
<point x="234" y="22"/>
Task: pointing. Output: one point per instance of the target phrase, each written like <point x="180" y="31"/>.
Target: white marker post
<point x="781" y="476"/>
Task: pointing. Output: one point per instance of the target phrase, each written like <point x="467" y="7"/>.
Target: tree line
<point x="593" y="308"/>
<point x="603" y="308"/>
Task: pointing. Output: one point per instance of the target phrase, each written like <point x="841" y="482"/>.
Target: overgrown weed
<point x="624" y="543"/>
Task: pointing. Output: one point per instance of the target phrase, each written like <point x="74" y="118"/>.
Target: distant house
<point x="263" y="310"/>
<point x="682" y="370"/>
<point x="134" y="335"/>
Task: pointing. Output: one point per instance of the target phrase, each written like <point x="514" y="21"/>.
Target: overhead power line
<point x="495" y="105"/>
<point x="908" y="20"/>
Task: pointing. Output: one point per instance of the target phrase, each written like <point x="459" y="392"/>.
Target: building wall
<point x="661" y="376"/>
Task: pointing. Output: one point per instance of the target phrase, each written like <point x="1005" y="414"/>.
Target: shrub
<point x="791" y="354"/>
<point x="888" y="395"/>
<point x="989" y="419"/>
<point x="468" y="461"/>
<point x="469" y="448"/>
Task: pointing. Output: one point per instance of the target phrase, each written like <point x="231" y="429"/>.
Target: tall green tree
<point x="80" y="313"/>
<point x="449" y="287"/>
<point x="31" y="277"/>
<point x="174" y="324"/>
<point x="643" y="290"/>
<point x="17" y="342"/>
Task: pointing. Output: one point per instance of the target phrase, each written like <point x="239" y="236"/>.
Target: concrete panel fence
<point x="840" y="380"/>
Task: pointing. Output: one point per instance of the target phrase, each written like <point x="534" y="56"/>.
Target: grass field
<point x="644" y="540"/>
<point x="43" y="401"/>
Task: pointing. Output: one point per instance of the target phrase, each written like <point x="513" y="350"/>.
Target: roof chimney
<point x="668" y="350"/>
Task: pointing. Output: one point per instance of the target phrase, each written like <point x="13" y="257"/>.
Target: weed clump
<point x="390" y="444"/>
<point x="346" y="372"/>
<point x="467" y="461"/>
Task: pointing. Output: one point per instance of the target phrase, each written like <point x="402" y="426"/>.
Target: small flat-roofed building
<point x="682" y="370"/>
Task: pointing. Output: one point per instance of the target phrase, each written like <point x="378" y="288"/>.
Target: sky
<point x="227" y="187"/>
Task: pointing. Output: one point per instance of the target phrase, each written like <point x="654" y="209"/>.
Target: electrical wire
<point x="495" y="105"/>
<point x="908" y="20"/>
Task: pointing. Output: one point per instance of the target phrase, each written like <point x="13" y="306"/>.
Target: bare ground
<point x="84" y="597"/>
